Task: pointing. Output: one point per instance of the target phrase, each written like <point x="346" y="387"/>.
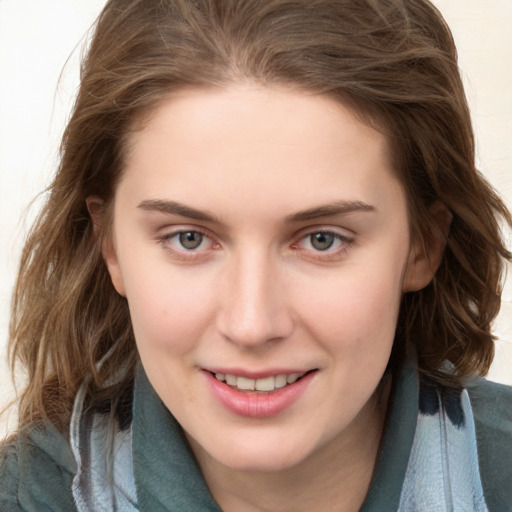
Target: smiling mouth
<point x="263" y="385"/>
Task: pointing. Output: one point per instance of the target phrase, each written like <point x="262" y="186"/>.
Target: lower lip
<point x="255" y="405"/>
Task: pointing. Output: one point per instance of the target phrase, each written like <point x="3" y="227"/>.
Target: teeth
<point x="265" y="384"/>
<point x="231" y="380"/>
<point x="280" y="381"/>
<point x="245" y="384"/>
<point x="292" y="378"/>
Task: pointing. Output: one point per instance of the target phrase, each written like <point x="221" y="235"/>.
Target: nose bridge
<point x="254" y="308"/>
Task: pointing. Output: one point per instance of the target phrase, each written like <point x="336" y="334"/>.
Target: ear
<point x="425" y="260"/>
<point x="96" y="208"/>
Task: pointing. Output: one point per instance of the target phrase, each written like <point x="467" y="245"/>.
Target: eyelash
<point x="344" y="243"/>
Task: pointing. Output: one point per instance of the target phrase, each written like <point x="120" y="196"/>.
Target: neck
<point x="336" y="477"/>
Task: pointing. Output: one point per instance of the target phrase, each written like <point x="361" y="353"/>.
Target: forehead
<point x="271" y="145"/>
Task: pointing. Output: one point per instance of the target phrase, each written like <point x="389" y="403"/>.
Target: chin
<point x="263" y="455"/>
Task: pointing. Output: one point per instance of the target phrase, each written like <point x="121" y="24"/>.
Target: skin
<point x="268" y="168"/>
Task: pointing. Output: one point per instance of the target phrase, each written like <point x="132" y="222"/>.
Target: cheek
<point x="169" y="310"/>
<point x="356" y="312"/>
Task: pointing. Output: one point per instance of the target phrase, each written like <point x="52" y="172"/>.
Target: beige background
<point x="38" y="36"/>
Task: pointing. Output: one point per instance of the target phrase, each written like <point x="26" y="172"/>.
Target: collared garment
<point x="442" y="450"/>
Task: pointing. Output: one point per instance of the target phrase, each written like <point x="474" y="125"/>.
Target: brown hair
<point x="393" y="61"/>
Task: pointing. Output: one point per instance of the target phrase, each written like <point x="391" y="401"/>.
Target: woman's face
<point x="261" y="239"/>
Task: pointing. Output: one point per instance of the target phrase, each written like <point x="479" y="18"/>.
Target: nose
<point x="254" y="309"/>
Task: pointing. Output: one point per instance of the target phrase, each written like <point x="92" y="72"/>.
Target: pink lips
<point x="256" y="405"/>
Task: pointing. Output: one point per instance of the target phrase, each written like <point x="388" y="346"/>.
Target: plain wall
<point x="38" y="36"/>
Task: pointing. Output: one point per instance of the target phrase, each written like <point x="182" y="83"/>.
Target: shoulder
<point x="492" y="403"/>
<point x="492" y="410"/>
<point x="36" y="473"/>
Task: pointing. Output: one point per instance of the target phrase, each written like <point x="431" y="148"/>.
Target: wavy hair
<point x="393" y="62"/>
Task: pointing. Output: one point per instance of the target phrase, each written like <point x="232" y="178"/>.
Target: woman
<point x="266" y="272"/>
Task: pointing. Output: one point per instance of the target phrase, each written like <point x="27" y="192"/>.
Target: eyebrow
<point x="336" y="208"/>
<point x="175" y="208"/>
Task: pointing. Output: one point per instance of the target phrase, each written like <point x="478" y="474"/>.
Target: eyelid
<point x="337" y="231"/>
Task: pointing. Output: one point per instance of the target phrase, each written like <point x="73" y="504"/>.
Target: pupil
<point x="322" y="241"/>
<point x="191" y="239"/>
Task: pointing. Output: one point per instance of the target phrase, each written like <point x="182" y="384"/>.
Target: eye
<point x="324" y="244"/>
<point x="190" y="240"/>
<point x="322" y="241"/>
<point x="187" y="242"/>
